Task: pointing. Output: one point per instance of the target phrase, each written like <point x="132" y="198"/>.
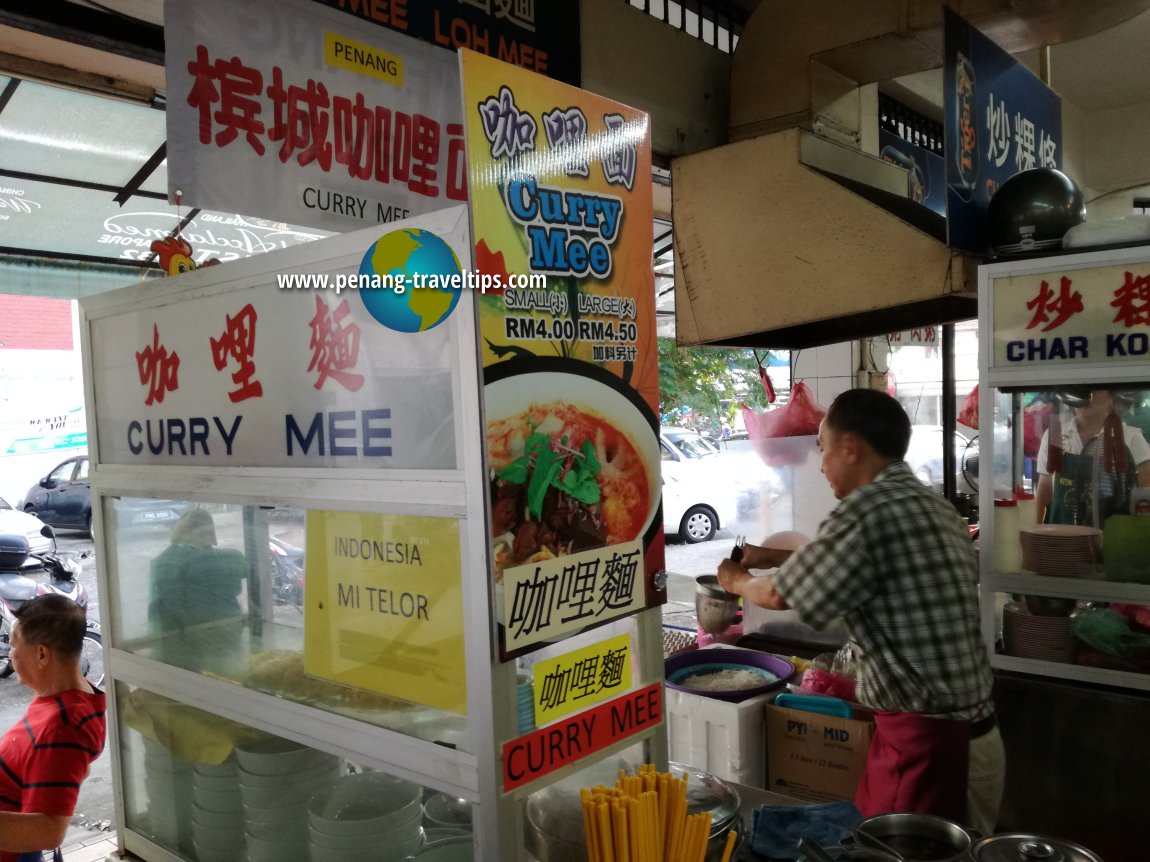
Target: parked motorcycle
<point x="287" y="573"/>
<point x="18" y="586"/>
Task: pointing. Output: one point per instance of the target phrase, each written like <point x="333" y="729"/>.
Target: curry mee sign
<point x="298" y="113"/>
<point x="258" y="375"/>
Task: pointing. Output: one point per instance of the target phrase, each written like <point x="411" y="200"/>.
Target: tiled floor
<point x="96" y="847"/>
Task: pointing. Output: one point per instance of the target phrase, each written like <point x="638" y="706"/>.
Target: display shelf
<point x="1071" y="588"/>
<point x="1037" y="358"/>
<point x="449" y="770"/>
<point x="1077" y="672"/>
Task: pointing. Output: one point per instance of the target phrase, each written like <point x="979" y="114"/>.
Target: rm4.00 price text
<point x="566" y="329"/>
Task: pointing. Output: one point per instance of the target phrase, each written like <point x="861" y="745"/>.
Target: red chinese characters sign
<point x="238" y="342"/>
<point x="360" y="127"/>
<point x="334" y="344"/>
<point x="316" y="127"/>
<point x="1078" y="314"/>
<point x="159" y="369"/>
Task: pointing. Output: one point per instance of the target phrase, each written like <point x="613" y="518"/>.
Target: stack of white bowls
<point x="217" y="813"/>
<point x="167" y="783"/>
<point x="365" y="818"/>
<point x="277" y="778"/>
<point x="451" y="850"/>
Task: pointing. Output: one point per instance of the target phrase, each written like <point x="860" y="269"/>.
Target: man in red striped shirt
<point x="45" y="756"/>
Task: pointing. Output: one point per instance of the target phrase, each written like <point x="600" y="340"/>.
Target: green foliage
<point x="547" y="463"/>
<point x="710" y="380"/>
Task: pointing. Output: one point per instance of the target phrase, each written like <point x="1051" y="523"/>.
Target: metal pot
<point x="1021" y="847"/>
<point x="915" y="837"/>
<point x="714" y="606"/>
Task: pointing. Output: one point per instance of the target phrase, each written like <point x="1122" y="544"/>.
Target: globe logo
<point x="416" y="255"/>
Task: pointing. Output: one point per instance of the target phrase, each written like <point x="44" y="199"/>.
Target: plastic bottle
<point x="1007" y="548"/>
<point x="1140" y="501"/>
<point x="1027" y="508"/>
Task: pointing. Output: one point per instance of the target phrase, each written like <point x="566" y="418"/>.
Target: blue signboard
<point x="926" y="172"/>
<point x="1000" y="119"/>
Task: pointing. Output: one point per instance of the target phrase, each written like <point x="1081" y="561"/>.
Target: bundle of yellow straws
<point x="643" y="818"/>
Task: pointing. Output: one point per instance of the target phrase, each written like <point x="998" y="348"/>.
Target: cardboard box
<point x="813" y="756"/>
<point x="724" y="739"/>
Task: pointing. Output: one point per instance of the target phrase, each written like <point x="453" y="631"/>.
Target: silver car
<point x="14" y="521"/>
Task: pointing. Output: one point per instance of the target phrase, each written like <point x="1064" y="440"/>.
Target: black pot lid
<point x="1021" y="847"/>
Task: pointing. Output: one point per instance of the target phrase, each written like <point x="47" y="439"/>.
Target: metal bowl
<point x="915" y="837"/>
<point x="714" y="606"/>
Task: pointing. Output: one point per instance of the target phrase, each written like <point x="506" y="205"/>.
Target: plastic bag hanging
<point x="799" y="417"/>
<point x="968" y="413"/>
<point x="765" y="379"/>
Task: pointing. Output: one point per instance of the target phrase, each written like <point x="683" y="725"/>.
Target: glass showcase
<point x="224" y="592"/>
<point x="1071" y="477"/>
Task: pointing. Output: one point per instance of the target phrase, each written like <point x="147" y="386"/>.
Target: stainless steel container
<point x="915" y="837"/>
<point x="714" y="606"/>
<point x="1021" y="847"/>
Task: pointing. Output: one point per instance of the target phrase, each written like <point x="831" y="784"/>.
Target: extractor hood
<point x="771" y="80"/>
<point x="771" y="251"/>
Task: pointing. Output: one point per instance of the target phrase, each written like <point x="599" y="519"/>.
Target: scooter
<point x="287" y="573"/>
<point x="17" y="588"/>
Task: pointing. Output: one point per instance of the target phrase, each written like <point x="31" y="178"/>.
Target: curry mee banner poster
<point x="560" y="188"/>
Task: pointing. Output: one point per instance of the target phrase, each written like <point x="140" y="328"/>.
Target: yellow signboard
<point x="583" y="678"/>
<point x="384" y="606"/>
<point x="341" y="52"/>
<point x="550" y="598"/>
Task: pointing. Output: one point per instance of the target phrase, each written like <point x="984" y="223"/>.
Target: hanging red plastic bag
<point x="768" y="431"/>
<point x="968" y="413"/>
<point x="1035" y="421"/>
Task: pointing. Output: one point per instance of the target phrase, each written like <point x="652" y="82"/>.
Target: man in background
<point x="45" y="756"/>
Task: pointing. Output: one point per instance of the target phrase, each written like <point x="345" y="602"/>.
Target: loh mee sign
<point x="560" y="187"/>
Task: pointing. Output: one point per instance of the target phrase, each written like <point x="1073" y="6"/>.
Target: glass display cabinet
<point x="302" y="660"/>
<point x="1064" y="413"/>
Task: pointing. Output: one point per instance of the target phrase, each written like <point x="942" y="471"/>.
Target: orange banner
<point x="560" y="193"/>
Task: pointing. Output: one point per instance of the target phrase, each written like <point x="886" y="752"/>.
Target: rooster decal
<point x="176" y="255"/>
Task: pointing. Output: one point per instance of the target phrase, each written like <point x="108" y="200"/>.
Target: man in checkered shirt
<point x="895" y="562"/>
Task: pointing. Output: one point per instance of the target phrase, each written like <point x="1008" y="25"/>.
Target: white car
<point x="23" y="524"/>
<point x="924" y="457"/>
<point x="697" y="502"/>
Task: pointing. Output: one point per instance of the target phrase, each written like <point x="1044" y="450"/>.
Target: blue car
<point x="63" y="499"/>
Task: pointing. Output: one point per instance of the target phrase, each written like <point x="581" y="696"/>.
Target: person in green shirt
<point x="194" y="605"/>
